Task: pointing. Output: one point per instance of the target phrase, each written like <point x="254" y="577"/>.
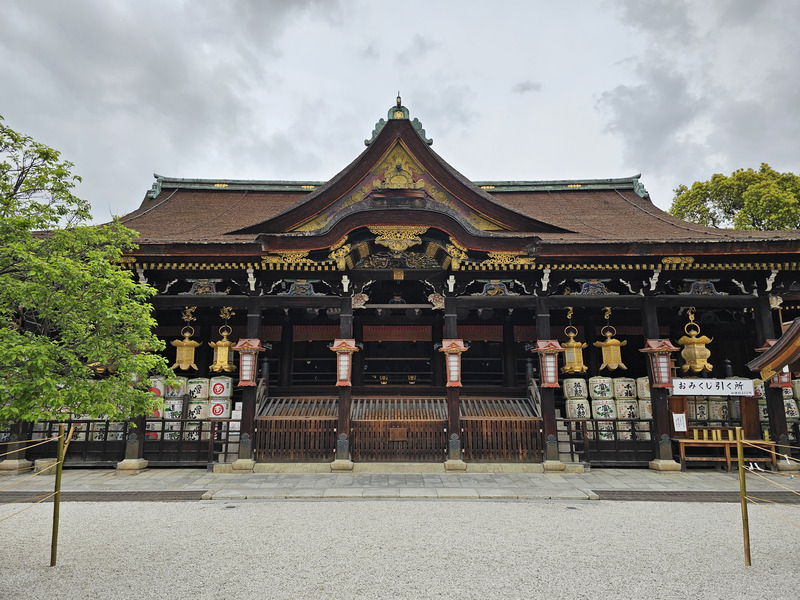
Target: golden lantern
<point x="694" y="350"/>
<point x="184" y="349"/>
<point x="612" y="355"/>
<point x="573" y="351"/>
<point x="223" y="354"/>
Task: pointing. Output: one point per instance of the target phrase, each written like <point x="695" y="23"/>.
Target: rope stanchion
<point x="28" y="507"/>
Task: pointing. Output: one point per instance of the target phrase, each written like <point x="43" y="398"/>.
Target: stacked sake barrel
<point x="219" y="406"/>
<point x="604" y="408"/>
<point x="645" y="408"/>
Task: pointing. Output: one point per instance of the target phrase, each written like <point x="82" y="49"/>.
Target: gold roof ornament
<point x="398" y="238"/>
<point x="612" y="355"/>
<point x="573" y="351"/>
<point x="694" y="350"/>
<point x="223" y="355"/>
<point x="184" y="349"/>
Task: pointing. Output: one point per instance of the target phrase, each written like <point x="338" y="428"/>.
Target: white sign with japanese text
<point x="713" y="387"/>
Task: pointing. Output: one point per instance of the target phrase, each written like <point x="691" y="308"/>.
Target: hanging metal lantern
<point x="694" y="350"/>
<point x="223" y="353"/>
<point x="573" y="353"/>
<point x="612" y="355"/>
<point x="184" y="353"/>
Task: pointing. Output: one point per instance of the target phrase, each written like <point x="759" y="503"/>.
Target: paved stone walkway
<point x="398" y="481"/>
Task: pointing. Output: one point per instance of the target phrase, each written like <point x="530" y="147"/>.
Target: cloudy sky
<point x="524" y="90"/>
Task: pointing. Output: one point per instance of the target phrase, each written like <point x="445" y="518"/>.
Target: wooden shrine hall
<point x="402" y="312"/>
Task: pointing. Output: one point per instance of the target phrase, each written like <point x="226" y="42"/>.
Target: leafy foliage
<point x="747" y="199"/>
<point x="76" y="329"/>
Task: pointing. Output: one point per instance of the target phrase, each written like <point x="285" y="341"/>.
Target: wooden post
<point x="548" y="397"/>
<point x="509" y="356"/>
<point x="453" y="396"/>
<point x="57" y="495"/>
<point x="247" y="428"/>
<point x="345" y="392"/>
<point x="287" y="354"/>
<point x="765" y="330"/>
<point x="743" y="497"/>
<point x="658" y="396"/>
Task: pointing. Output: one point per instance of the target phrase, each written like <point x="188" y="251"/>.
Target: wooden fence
<point x="398" y="429"/>
<point x="500" y="429"/>
<point x="296" y="429"/>
<point x="605" y="443"/>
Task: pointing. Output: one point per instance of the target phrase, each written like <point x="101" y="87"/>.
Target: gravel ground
<point x="399" y="549"/>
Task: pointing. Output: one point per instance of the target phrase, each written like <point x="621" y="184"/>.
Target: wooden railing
<point x="296" y="429"/>
<point x="398" y="429"/>
<point x="500" y="429"/>
<point x="607" y="443"/>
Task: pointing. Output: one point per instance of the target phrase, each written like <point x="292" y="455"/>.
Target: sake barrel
<point x="173" y="408"/>
<point x="198" y="409"/>
<point x="791" y="408"/>
<point x="646" y="410"/>
<point x="796" y="387"/>
<point x="600" y="388"/>
<point x="735" y="408"/>
<point x="604" y="409"/>
<point x="578" y="408"/>
<point x="763" y="413"/>
<point x="643" y="430"/>
<point x="575" y="388"/>
<point x="221" y="387"/>
<point x="191" y="431"/>
<point x="759" y="388"/>
<point x="624" y="388"/>
<point x="701" y="409"/>
<point x="627" y="409"/>
<point x="605" y="431"/>
<point x="643" y="388"/>
<point x="177" y="390"/>
<point x="718" y="408"/>
<point x="691" y="410"/>
<point x="625" y="430"/>
<point x="788" y="393"/>
<point x="198" y="388"/>
<point x="219" y="408"/>
<point x="157" y="386"/>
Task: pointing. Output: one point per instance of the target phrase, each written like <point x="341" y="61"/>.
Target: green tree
<point x="746" y="199"/>
<point x="76" y="330"/>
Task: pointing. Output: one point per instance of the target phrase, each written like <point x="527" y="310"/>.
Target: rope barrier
<point x="753" y="500"/>
<point x="754" y="472"/>
<point x="8" y="487"/>
<point x="47" y="441"/>
<point x="752" y="445"/>
<point x="27" y="507"/>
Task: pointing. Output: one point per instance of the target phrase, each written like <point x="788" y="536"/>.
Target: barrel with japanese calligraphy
<point x="646" y="410"/>
<point x="219" y="408"/>
<point x="643" y="388"/>
<point x="198" y="388"/>
<point x="198" y="409"/>
<point x="221" y="387"/>
<point x="718" y="408"/>
<point x="701" y="408"/>
<point x="177" y="390"/>
<point x="796" y="388"/>
<point x="759" y="388"/>
<point x="157" y="386"/>
<point x="625" y="430"/>
<point x="578" y="408"/>
<point x="627" y="409"/>
<point x="763" y="412"/>
<point x="790" y="406"/>
<point x="575" y="388"/>
<point x="624" y="388"/>
<point x="600" y="388"/>
<point x="643" y="430"/>
<point x="788" y="392"/>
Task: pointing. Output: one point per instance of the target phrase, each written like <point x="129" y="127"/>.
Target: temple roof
<point x="399" y="178"/>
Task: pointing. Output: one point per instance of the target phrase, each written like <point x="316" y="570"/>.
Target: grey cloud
<point x="420" y="46"/>
<point x="526" y="86"/>
<point x="661" y="17"/>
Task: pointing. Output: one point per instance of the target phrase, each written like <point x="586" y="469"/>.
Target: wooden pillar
<point x="287" y="353"/>
<point x="437" y="365"/>
<point x="249" y="393"/>
<point x="659" y="397"/>
<point x="765" y="329"/>
<point x="453" y="396"/>
<point x="345" y="392"/>
<point x="548" y="396"/>
<point x="509" y="356"/>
